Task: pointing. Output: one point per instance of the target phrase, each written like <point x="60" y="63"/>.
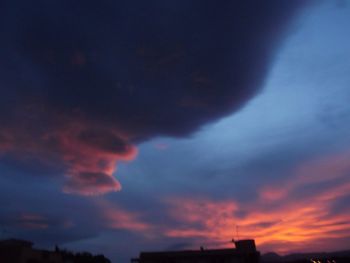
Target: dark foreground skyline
<point x="242" y="251"/>
<point x="130" y="126"/>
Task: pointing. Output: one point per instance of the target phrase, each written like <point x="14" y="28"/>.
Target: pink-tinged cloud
<point x="92" y="156"/>
<point x="33" y="221"/>
<point x="116" y="217"/>
<point x="161" y="146"/>
<point x="324" y="169"/>
<point x="78" y="59"/>
<point x="281" y="219"/>
<point x="88" y="154"/>
<point x="6" y="141"/>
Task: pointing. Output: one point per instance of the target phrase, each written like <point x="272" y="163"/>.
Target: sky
<point x="130" y="126"/>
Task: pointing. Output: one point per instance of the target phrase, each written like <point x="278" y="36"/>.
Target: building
<point x="245" y="252"/>
<point x="20" y="251"/>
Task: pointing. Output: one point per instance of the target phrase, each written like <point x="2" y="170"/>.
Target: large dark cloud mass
<point x="82" y="80"/>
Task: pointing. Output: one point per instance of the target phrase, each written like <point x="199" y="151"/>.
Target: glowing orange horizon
<point x="279" y="220"/>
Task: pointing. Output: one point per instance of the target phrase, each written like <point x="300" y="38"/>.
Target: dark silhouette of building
<point x="245" y="252"/>
<point x="21" y="251"/>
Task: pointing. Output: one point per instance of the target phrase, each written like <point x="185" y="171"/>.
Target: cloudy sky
<point x="129" y="126"/>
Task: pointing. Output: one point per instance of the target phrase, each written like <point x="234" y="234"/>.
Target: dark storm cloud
<point x="103" y="140"/>
<point x="83" y="80"/>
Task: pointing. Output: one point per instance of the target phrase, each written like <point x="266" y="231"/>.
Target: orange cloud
<point x="88" y="154"/>
<point x="296" y="224"/>
<point x="279" y="220"/>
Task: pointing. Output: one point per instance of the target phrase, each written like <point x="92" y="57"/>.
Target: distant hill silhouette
<point x="271" y="257"/>
<point x="342" y="256"/>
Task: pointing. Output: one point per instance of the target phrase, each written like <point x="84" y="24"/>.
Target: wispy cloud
<point x="118" y="218"/>
<point x="284" y="218"/>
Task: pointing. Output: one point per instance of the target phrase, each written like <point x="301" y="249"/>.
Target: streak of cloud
<point x="282" y="219"/>
<point x="118" y="218"/>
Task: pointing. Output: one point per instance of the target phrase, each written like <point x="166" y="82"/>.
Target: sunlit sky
<point x="272" y="164"/>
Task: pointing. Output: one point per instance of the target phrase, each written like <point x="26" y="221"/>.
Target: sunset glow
<point x="131" y="126"/>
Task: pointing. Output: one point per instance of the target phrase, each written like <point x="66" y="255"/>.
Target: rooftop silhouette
<point x="245" y="252"/>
